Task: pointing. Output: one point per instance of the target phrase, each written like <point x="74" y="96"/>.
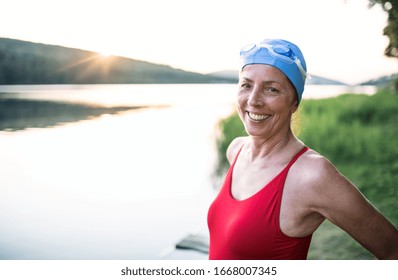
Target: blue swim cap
<point x="281" y="54"/>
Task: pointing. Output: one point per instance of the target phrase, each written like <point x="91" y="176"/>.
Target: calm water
<point x="122" y="184"/>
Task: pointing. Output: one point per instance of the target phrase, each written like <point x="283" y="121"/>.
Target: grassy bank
<point x="358" y="133"/>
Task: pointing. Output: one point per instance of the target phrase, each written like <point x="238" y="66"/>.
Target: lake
<point x="110" y="171"/>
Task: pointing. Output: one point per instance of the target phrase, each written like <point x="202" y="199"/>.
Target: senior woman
<point x="278" y="191"/>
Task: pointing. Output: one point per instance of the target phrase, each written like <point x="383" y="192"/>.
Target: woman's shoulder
<point x="311" y="157"/>
<point x="313" y="169"/>
<point x="234" y="148"/>
<point x="317" y="180"/>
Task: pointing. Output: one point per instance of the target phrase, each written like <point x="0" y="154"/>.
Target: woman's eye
<point x="245" y="86"/>
<point x="272" y="90"/>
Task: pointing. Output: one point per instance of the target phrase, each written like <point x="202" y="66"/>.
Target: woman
<point x="277" y="191"/>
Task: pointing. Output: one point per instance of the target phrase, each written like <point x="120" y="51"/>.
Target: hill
<point x="381" y="81"/>
<point x="24" y="62"/>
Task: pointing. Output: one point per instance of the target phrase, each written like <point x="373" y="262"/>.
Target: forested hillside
<point x="24" y="62"/>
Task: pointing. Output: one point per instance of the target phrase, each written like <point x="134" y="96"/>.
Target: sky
<point x="340" y="39"/>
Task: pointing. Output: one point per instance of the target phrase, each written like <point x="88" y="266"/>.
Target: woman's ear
<point x="295" y="105"/>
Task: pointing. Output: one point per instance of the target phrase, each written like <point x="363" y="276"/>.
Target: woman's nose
<point x="255" y="99"/>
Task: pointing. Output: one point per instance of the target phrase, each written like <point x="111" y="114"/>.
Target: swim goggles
<point x="278" y="51"/>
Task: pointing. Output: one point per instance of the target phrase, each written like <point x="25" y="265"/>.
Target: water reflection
<point x="127" y="183"/>
<point x="125" y="186"/>
<point x="19" y="114"/>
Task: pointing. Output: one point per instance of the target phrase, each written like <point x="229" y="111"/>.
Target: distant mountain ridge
<point x="381" y="81"/>
<point x="23" y="62"/>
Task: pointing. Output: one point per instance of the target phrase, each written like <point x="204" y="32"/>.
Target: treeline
<point x="24" y="62"/>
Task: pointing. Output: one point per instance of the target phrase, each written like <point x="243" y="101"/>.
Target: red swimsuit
<point x="249" y="228"/>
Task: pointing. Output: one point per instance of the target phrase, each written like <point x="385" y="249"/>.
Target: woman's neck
<point x="267" y="148"/>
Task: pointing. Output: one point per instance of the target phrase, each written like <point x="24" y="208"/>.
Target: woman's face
<point x="266" y="100"/>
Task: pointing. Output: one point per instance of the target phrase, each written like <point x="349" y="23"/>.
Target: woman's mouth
<point x="256" y="117"/>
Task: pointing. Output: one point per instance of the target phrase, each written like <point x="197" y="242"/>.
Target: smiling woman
<point x="278" y="191"/>
<point x="256" y="91"/>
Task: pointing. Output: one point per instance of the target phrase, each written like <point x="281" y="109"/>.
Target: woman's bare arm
<point x="338" y="200"/>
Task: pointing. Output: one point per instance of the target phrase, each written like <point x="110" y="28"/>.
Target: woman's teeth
<point x="256" y="117"/>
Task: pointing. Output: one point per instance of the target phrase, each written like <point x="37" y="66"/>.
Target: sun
<point x="105" y="54"/>
<point x="105" y="51"/>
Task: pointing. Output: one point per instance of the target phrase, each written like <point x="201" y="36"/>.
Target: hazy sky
<point x="341" y="39"/>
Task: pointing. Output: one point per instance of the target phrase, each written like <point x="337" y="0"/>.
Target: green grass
<point x="358" y="134"/>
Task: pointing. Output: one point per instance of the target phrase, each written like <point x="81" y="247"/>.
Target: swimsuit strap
<point x="296" y="157"/>
<point x="237" y="154"/>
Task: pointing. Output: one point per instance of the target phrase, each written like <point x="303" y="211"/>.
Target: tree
<point x="391" y="30"/>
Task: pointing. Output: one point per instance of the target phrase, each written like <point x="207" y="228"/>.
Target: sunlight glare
<point x="105" y="54"/>
<point x="105" y="51"/>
